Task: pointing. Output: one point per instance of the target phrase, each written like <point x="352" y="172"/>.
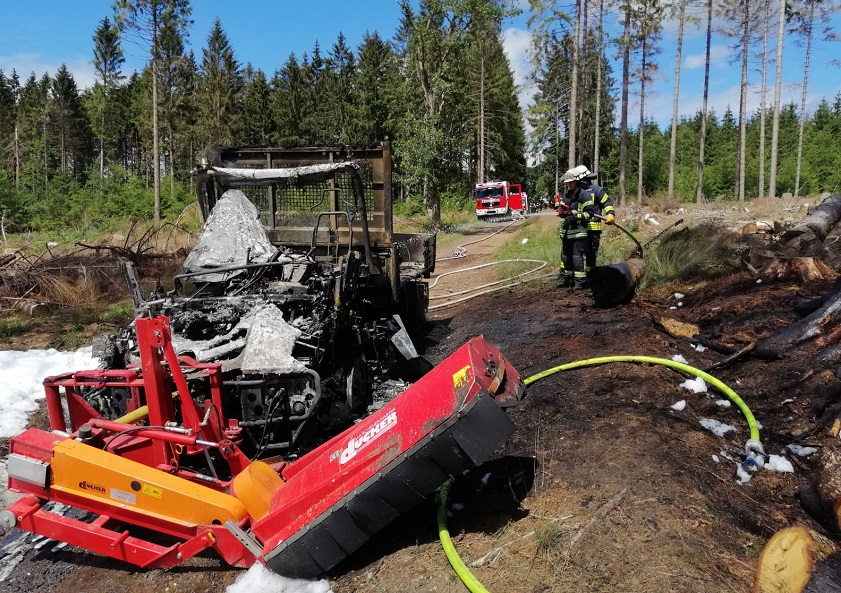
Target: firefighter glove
<point x="609" y="219"/>
<point x="564" y="210"/>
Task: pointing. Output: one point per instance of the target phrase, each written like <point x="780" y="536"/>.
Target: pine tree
<point x="337" y="95"/>
<point x="69" y="123"/>
<point x="257" y="125"/>
<point x="220" y="87"/>
<point x="289" y="96"/>
<point x="143" y="19"/>
<point x="375" y="86"/>
<point x="107" y="61"/>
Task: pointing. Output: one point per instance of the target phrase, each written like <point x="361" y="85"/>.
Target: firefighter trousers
<point x="594" y="239"/>
<point x="573" y="259"/>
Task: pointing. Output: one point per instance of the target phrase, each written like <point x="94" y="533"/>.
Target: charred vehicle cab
<point x="299" y="288"/>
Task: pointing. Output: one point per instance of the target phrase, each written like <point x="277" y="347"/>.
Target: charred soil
<point x="604" y="486"/>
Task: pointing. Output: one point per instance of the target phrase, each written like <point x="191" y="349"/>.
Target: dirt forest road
<point x="604" y="487"/>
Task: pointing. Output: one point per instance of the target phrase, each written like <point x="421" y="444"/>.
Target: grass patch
<point x="548" y="535"/>
<point x="14" y="326"/>
<point x="692" y="253"/>
<point x="119" y="313"/>
<point x="71" y="339"/>
<point x="531" y="241"/>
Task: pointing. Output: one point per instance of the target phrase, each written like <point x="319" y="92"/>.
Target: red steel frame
<point x="150" y="446"/>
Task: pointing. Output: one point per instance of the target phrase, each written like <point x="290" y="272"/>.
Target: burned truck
<point x="299" y="287"/>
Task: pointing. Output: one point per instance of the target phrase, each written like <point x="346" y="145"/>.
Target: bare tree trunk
<point x="156" y="144"/>
<point x="676" y="94"/>
<point x="573" y="99"/>
<point x="699" y="191"/>
<point x="597" y="142"/>
<point x="763" y="95"/>
<point x="171" y="166"/>
<point x="580" y="148"/>
<point x="623" y="126"/>
<point x="640" y="163"/>
<point x="17" y="158"/>
<point x="743" y="98"/>
<point x="778" y="84"/>
<point x="809" y="30"/>
<point x="480" y="165"/>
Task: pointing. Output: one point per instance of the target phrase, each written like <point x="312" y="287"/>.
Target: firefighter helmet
<point x="579" y="173"/>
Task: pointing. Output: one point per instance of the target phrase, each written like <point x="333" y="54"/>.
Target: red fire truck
<point x="499" y="199"/>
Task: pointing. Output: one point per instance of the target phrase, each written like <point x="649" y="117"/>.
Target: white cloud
<point x="719" y="55"/>
<point x="27" y="63"/>
<point x="517" y="46"/>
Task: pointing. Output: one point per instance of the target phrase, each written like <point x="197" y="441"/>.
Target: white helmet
<point x="579" y="173"/>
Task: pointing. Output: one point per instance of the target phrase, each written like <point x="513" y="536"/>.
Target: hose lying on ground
<point x="754" y="452"/>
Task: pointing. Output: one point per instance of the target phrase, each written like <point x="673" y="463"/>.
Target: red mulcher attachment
<point x="300" y="519"/>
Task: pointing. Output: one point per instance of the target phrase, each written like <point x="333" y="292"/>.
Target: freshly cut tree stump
<point x="798" y="560"/>
<point x="798" y="253"/>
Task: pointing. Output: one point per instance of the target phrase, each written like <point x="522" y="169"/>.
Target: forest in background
<point x="440" y="89"/>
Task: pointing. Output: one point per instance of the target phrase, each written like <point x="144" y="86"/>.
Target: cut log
<point x="822" y="327"/>
<point x="798" y="560"/>
<point x="798" y="253"/>
<point x="616" y="284"/>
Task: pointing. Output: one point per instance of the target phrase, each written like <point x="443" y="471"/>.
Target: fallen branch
<point x="735" y="356"/>
<point x="599" y="515"/>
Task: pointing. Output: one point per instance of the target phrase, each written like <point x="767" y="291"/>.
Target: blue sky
<point x="39" y="35"/>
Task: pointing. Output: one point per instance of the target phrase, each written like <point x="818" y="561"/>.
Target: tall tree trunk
<point x="156" y="145"/>
<point x="699" y="190"/>
<point x="480" y="166"/>
<point x="675" y="95"/>
<point x="572" y="128"/>
<point x="597" y="135"/>
<point x="778" y="84"/>
<point x="171" y="167"/>
<point x="640" y="156"/>
<point x="763" y="95"/>
<point x="580" y="147"/>
<point x="623" y="125"/>
<point x="102" y="142"/>
<point x="809" y="30"/>
<point x="17" y="158"/>
<point x="743" y="97"/>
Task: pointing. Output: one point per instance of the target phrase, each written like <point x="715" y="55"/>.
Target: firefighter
<point x="602" y="206"/>
<point x="577" y="209"/>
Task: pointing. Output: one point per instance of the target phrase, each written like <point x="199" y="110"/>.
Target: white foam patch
<point x="800" y="450"/>
<point x="723" y="403"/>
<point x="21" y="376"/>
<point x="679" y="358"/>
<point x="258" y="579"/>
<point x="777" y="463"/>
<point x="679" y="406"/>
<point x="696" y="385"/>
<point x="717" y="428"/>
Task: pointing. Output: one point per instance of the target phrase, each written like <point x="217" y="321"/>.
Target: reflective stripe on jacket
<point x="602" y="205"/>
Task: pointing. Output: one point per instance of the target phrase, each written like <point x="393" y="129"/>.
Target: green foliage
<point x="118" y="313"/>
<point x="14" y="326"/>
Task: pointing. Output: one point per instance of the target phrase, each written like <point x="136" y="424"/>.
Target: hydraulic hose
<point x="754" y="452"/>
